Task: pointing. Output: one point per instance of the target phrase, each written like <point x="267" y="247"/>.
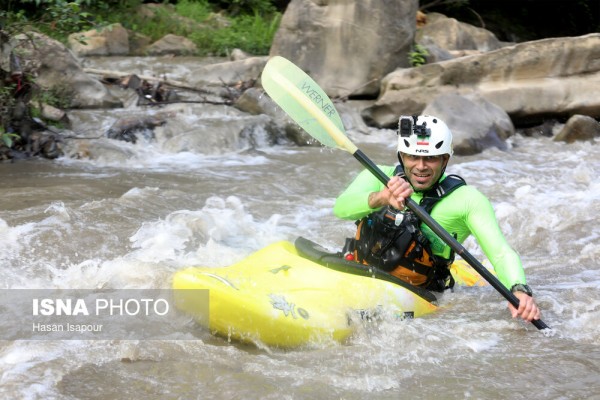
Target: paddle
<point x="308" y="105"/>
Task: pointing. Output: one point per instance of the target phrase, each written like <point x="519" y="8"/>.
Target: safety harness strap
<point x="387" y="245"/>
<point x="438" y="191"/>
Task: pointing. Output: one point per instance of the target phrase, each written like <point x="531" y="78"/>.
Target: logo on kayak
<point x="282" y="268"/>
<point x="280" y="303"/>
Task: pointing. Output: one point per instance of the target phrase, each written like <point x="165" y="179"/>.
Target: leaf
<point x="7" y="140"/>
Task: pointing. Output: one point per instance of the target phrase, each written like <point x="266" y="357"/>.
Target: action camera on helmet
<point x="409" y="125"/>
<point x="406" y="126"/>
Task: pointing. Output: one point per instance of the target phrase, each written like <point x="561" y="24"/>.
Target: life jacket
<point x="392" y="240"/>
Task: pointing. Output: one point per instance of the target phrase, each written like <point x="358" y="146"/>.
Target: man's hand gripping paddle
<point x="308" y="105"/>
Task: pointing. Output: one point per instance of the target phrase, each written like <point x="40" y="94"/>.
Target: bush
<point x="418" y="55"/>
<point x="55" y="18"/>
<point x="252" y="34"/>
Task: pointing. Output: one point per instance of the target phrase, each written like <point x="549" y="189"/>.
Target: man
<point x="389" y="236"/>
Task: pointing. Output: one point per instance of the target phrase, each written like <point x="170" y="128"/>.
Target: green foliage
<point x="13" y="22"/>
<point x="246" y="24"/>
<point x="196" y="20"/>
<point x="418" y="55"/>
<point x="198" y="10"/>
<point x="7" y="138"/>
<point x="56" y="96"/>
<point x="252" y="34"/>
<point x="155" y="27"/>
<point x="56" y="18"/>
<point x="7" y="102"/>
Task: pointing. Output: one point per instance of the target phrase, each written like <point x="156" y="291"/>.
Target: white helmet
<point x="424" y="135"/>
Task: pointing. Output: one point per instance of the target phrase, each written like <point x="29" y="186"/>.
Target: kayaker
<point x="390" y="237"/>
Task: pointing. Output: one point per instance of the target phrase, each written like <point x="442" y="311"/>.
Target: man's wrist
<point x="373" y="200"/>
<point x="519" y="287"/>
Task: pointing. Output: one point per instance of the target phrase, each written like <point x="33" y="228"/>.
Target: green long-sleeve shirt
<point x="463" y="212"/>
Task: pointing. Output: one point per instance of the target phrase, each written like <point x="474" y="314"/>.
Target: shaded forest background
<point x="523" y="20"/>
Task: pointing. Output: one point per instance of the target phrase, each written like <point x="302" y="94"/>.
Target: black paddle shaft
<point x="447" y="238"/>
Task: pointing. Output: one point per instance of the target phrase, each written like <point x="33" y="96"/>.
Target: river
<point x="131" y="222"/>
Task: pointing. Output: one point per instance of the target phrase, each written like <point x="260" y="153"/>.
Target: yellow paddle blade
<point x="305" y="102"/>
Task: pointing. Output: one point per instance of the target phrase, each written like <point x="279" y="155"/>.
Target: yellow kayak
<point x="288" y="295"/>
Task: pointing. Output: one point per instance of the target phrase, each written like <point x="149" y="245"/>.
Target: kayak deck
<point x="287" y="295"/>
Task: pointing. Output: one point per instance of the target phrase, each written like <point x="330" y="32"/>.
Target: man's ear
<point x="446" y="160"/>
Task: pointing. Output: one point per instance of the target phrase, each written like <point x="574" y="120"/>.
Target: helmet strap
<point x="400" y="161"/>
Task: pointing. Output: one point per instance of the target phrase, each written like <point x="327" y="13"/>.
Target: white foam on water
<point x="151" y="156"/>
<point x="221" y="232"/>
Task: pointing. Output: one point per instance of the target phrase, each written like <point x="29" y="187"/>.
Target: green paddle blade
<point x="305" y="102"/>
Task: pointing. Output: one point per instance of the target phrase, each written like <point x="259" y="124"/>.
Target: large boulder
<point x="172" y="45"/>
<point x="450" y="34"/>
<point x="476" y="124"/>
<point x="579" y="127"/>
<point x="54" y="66"/>
<point x="347" y="46"/>
<point x="531" y="81"/>
<point x="112" y="40"/>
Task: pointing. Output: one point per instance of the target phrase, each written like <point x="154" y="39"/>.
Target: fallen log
<point x="164" y="81"/>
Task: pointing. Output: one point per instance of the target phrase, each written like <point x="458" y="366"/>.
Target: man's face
<point x="423" y="171"/>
